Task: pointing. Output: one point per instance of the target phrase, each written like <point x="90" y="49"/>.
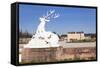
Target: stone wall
<point x="36" y="55"/>
<point x="40" y="54"/>
<point x="82" y="53"/>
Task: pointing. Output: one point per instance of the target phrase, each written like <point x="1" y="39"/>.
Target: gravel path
<point x="76" y="45"/>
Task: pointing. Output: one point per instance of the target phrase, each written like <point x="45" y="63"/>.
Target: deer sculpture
<point x="46" y="36"/>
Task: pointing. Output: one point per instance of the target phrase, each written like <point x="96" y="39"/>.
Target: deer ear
<point x="40" y="18"/>
<point x="47" y="20"/>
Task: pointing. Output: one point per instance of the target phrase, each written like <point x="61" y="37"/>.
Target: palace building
<point x="72" y="36"/>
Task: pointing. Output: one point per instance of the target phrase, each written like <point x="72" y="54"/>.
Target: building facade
<point x="72" y="36"/>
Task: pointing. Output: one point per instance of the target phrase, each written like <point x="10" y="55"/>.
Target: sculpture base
<point x="37" y="55"/>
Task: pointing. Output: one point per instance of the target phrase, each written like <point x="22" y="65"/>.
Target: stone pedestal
<point x="37" y="55"/>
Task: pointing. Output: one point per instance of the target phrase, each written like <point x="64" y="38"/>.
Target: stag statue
<point x="44" y="38"/>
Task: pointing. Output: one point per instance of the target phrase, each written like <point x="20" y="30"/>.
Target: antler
<point x="51" y="14"/>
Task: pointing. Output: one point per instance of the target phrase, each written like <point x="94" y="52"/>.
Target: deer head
<point x="51" y="14"/>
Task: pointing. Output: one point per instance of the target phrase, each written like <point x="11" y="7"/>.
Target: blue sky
<point x="71" y="19"/>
